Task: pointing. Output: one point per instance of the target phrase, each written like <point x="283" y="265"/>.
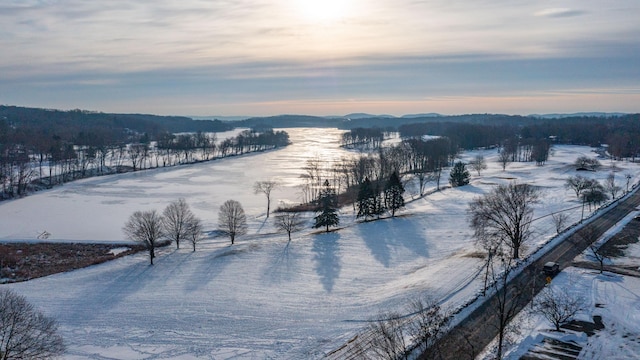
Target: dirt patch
<point x="25" y="261"/>
<point x="616" y="246"/>
<point x="475" y="255"/>
<point x="586" y="327"/>
<point x="551" y="348"/>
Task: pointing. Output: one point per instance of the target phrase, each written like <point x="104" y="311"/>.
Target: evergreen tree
<point x="328" y="208"/>
<point x="377" y="205"/>
<point x="366" y="199"/>
<point x="459" y="175"/>
<point x="393" y="191"/>
<point x="370" y="202"/>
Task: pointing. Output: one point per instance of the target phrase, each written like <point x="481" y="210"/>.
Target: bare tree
<point x="610" y="185"/>
<point x="508" y="300"/>
<point x="265" y="187"/>
<point x="493" y="250"/>
<point x="175" y="221"/>
<point x="231" y="219"/>
<point x="288" y="222"/>
<point x="145" y="227"/>
<point x="478" y="164"/>
<point x="577" y="183"/>
<point x="598" y="256"/>
<point x="388" y="337"/>
<point x="427" y="324"/>
<point x="136" y="155"/>
<point x="587" y="163"/>
<point x="594" y="195"/>
<point x="25" y="332"/>
<point x="423" y="176"/>
<point x="505" y="215"/>
<point x="557" y="306"/>
<point x="590" y="236"/>
<point x="194" y="231"/>
<point x="628" y="178"/>
<point x="559" y="221"/>
<point x="504" y="158"/>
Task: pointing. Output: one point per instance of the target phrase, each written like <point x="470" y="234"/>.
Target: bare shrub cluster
<point x="394" y="336"/>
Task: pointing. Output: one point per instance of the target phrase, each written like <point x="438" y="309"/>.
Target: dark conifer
<point x="328" y="211"/>
<point x="393" y="191"/>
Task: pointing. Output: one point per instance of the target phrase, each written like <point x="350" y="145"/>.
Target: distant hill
<point x="65" y="122"/>
<point x="284" y="121"/>
<point x="58" y="121"/>
<point x="221" y="118"/>
<point x="381" y="121"/>
<point x="366" y="116"/>
<point x="411" y="116"/>
<point x="578" y="114"/>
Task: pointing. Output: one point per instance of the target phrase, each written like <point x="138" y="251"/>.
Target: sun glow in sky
<point x="267" y="57"/>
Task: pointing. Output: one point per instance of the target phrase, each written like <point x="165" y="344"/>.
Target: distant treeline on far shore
<point x="42" y="147"/>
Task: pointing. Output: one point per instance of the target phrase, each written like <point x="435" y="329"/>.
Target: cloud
<point x="232" y="52"/>
<point x="559" y="13"/>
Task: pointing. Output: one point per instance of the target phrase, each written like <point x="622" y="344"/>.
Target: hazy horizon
<point x="262" y="58"/>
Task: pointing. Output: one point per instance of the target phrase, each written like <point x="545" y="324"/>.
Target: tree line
<point x="33" y="158"/>
<point x="621" y="133"/>
<point x="364" y="138"/>
<point x="423" y="158"/>
<point x="66" y="123"/>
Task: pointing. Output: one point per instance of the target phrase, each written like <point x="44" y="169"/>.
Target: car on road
<point x="551" y="268"/>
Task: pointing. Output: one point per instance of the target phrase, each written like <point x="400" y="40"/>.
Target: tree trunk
<point x="268" y="206"/>
<point x="500" y="341"/>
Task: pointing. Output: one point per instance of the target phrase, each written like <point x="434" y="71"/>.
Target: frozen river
<point x="96" y="208"/>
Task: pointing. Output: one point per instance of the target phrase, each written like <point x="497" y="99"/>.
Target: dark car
<point x="551" y="268"/>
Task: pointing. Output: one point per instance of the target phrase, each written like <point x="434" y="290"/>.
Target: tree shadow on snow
<point x="210" y="267"/>
<point x="264" y="222"/>
<point x="325" y="247"/>
<point x="283" y="264"/>
<point x="383" y="238"/>
<point x="108" y="288"/>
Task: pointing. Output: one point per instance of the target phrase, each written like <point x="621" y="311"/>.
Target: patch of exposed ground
<point x="616" y="246"/>
<point x="475" y="255"/>
<point x="25" y="261"/>
<point x="554" y="349"/>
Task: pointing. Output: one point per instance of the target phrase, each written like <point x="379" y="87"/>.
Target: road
<point x="478" y="329"/>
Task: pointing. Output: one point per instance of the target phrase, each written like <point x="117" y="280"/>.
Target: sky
<point x="326" y="57"/>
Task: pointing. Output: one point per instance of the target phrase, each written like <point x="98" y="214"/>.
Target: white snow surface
<point x="618" y="303"/>
<point x="262" y="298"/>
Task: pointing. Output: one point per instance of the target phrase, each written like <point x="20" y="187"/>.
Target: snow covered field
<point x="263" y="297"/>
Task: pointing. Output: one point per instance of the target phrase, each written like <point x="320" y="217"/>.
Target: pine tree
<point x="366" y="199"/>
<point x="393" y="191"/>
<point x="459" y="175"/>
<point x="328" y="208"/>
<point x="377" y="204"/>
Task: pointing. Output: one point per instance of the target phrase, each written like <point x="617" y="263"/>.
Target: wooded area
<point x="40" y="148"/>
